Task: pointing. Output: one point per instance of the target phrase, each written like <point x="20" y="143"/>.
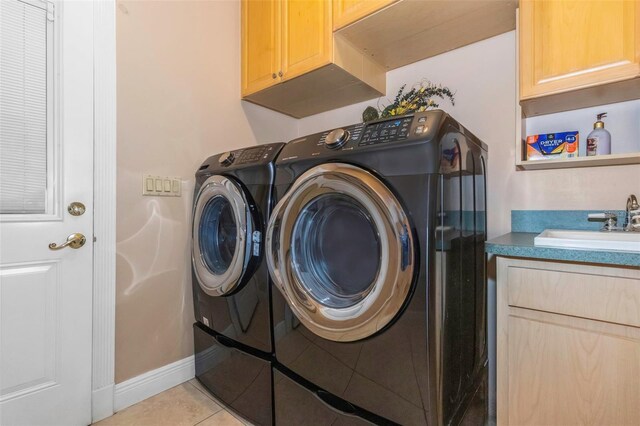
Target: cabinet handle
<point x="280" y="73"/>
<point x="273" y="75"/>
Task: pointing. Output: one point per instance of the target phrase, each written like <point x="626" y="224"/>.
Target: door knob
<point x="76" y="208"/>
<point x="75" y="241"/>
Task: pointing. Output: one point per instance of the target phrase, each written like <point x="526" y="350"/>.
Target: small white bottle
<point x="599" y="140"/>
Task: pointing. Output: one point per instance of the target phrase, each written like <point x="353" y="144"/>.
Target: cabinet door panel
<point x="346" y="12"/>
<point x="564" y="370"/>
<point x="566" y="45"/>
<point x="306" y="36"/>
<point x="260" y="44"/>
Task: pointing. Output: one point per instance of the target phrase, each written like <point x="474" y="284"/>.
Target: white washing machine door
<point x="340" y="249"/>
<point x="221" y="246"/>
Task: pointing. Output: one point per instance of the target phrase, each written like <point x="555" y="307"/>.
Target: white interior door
<point x="46" y="163"/>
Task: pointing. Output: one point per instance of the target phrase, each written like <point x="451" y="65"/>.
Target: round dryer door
<point x="340" y="250"/>
<point x="221" y="248"/>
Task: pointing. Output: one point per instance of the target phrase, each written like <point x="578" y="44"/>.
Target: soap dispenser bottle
<point x="599" y="140"/>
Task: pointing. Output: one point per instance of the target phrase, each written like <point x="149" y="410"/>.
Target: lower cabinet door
<point x="565" y="370"/>
<point x="241" y="381"/>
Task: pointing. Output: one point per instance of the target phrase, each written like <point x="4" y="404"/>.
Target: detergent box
<point x="552" y="145"/>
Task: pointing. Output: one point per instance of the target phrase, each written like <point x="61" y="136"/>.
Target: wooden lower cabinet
<point x="568" y="343"/>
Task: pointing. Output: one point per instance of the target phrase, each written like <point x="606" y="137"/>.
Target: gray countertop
<point x="520" y="244"/>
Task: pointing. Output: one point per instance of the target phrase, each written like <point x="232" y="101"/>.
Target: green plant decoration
<point x="419" y="98"/>
<point x="369" y="114"/>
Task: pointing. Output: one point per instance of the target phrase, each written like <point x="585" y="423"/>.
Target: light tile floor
<point x="187" y="404"/>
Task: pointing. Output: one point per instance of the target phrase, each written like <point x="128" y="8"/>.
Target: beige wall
<point x="483" y="74"/>
<point x="178" y="102"/>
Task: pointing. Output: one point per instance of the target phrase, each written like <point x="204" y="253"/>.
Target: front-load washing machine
<point x="231" y="285"/>
<point x="376" y="248"/>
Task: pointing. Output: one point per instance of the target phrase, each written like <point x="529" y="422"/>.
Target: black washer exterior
<point x="233" y="353"/>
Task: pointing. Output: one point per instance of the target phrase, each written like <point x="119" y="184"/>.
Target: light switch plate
<point x="161" y="186"/>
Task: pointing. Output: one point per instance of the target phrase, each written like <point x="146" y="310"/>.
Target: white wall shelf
<point x="597" y="160"/>
<point x="624" y="127"/>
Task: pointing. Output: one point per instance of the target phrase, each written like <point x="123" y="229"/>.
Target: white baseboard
<point x="152" y="383"/>
<point x="102" y="403"/>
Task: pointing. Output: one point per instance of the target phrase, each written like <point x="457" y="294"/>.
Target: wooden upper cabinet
<point x="346" y="12"/>
<point x="571" y="45"/>
<point x="261" y="38"/>
<point x="306" y="36"/>
<point x="293" y="63"/>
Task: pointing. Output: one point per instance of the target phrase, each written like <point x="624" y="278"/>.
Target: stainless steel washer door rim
<point x="220" y="275"/>
<point x="352" y="316"/>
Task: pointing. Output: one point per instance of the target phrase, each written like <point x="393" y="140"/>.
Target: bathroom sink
<point x="596" y="240"/>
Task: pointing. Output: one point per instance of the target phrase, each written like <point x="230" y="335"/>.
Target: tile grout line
<point x="226" y="411"/>
<point x="206" y="418"/>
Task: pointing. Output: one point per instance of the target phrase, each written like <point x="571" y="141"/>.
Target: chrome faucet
<point x="610" y="219"/>
<point x="632" y="219"/>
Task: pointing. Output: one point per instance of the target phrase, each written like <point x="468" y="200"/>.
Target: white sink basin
<point x="596" y="240"/>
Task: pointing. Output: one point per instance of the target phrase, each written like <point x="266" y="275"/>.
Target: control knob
<point x="226" y="158"/>
<point x="336" y="138"/>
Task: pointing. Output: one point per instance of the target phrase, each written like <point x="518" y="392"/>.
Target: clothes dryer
<point x="376" y="249"/>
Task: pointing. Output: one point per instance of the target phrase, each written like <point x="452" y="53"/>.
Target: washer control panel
<point x="253" y="155"/>
<point x="257" y="155"/>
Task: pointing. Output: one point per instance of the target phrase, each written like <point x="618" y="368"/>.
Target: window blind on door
<point x="24" y="94"/>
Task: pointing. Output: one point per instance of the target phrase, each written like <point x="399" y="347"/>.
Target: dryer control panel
<point x="386" y="131"/>
<point x="377" y="132"/>
<point x="420" y="126"/>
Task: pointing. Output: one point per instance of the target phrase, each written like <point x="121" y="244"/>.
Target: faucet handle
<point x="601" y="217"/>
<point x="610" y="219"/>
